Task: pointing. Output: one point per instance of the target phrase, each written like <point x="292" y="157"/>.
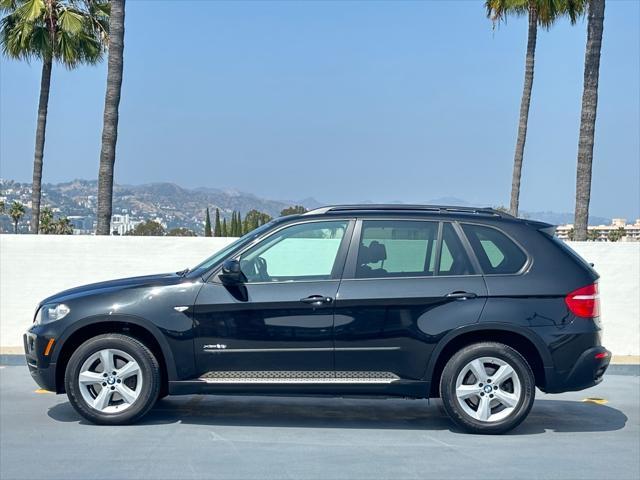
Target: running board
<point x="298" y="377"/>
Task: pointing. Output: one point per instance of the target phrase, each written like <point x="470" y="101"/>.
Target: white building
<point x="632" y="231"/>
<point x="122" y="223"/>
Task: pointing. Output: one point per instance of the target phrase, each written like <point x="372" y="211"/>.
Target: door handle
<point x="461" y="295"/>
<point x="316" y="300"/>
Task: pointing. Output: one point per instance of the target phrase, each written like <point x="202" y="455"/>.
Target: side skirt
<point x="397" y="388"/>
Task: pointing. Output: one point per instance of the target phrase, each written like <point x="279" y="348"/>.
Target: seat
<point x="374" y="253"/>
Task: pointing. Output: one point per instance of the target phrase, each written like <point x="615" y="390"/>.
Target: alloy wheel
<point x="110" y="380"/>
<point x="488" y="389"/>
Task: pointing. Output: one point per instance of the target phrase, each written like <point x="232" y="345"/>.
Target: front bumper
<point x="586" y="372"/>
<point x="41" y="369"/>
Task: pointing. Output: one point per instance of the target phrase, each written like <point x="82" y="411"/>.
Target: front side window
<point x="396" y="248"/>
<point x="496" y="252"/>
<point x="237" y="245"/>
<point x="305" y="251"/>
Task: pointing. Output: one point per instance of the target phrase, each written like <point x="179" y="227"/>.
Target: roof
<point x="395" y="207"/>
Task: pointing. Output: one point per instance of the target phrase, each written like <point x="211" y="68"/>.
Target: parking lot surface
<point x="41" y="436"/>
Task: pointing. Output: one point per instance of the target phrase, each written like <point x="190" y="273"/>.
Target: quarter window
<point x="396" y="248"/>
<point x="496" y="253"/>
<point x="305" y="251"/>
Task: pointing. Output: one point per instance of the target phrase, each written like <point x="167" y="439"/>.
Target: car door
<point x="406" y="284"/>
<point x="281" y="318"/>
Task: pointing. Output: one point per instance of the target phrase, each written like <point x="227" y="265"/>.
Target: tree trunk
<point x="524" y="110"/>
<point x="36" y="185"/>
<point x="588" y="118"/>
<point x="15" y="227"/>
<point x="110" y="122"/>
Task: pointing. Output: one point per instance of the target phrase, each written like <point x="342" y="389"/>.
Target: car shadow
<point x="315" y="412"/>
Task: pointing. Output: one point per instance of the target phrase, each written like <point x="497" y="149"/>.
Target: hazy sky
<point x="342" y="102"/>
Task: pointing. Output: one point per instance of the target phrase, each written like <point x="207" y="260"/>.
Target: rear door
<point x="406" y="284"/>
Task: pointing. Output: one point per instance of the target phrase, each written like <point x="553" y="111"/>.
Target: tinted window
<point x="229" y="249"/>
<point x="300" y="252"/>
<point x="495" y="251"/>
<point x="396" y="248"/>
<point x="453" y="258"/>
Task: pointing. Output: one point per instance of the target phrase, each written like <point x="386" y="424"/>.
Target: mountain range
<point x="177" y="206"/>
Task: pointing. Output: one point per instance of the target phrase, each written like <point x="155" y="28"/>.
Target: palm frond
<point x="71" y="22"/>
<point x="69" y="31"/>
<point x="547" y="11"/>
<point x="7" y="5"/>
<point x="499" y="10"/>
<point x="30" y="10"/>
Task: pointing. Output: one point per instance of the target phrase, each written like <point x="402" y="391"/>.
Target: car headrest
<point x="374" y="253"/>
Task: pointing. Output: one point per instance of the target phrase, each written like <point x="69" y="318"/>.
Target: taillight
<point x="585" y="301"/>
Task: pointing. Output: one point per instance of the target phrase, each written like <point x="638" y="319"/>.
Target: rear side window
<point x="397" y="248"/>
<point x="496" y="253"/>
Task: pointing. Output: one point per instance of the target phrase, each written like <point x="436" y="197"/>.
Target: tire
<point x="107" y="399"/>
<point x="494" y="404"/>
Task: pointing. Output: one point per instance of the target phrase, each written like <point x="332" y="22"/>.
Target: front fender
<point x="78" y="325"/>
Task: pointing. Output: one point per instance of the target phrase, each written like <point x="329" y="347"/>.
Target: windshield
<point x="229" y="249"/>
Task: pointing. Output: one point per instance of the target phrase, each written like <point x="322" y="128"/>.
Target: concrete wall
<point x="619" y="267"/>
<point x="33" y="267"/>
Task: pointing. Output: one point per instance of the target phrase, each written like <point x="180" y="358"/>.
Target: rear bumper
<point x="586" y="372"/>
<point x="42" y="371"/>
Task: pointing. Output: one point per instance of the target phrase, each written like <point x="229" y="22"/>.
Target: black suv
<point x="471" y="305"/>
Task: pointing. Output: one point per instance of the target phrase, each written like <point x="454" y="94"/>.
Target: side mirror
<point x="231" y="273"/>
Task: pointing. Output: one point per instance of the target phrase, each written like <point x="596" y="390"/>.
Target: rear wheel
<point x="487" y="388"/>
<point x="112" y="379"/>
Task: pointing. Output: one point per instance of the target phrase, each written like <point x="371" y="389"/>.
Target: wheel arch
<point x="529" y="345"/>
<point x="136" y="327"/>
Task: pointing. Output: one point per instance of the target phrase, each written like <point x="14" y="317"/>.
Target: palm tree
<point x="71" y="32"/>
<point x="16" y="212"/>
<point x="540" y="13"/>
<point x="595" y="27"/>
<point x="47" y="223"/>
<point x="110" y="121"/>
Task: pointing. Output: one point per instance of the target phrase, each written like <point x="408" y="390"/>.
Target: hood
<point x="111" y="285"/>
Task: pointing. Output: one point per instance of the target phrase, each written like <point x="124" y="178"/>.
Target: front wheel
<point x="112" y="379"/>
<point x="487" y="388"/>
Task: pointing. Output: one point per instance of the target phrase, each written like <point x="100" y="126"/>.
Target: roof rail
<point x="405" y="207"/>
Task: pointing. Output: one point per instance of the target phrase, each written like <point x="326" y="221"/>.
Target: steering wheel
<point x="261" y="269"/>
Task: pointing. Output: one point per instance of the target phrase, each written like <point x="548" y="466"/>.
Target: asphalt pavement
<point x="565" y="437"/>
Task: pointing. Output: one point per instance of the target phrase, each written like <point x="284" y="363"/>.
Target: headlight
<point x="51" y="313"/>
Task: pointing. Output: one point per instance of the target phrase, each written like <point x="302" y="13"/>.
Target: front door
<point x="406" y="284"/>
<point x="281" y="318"/>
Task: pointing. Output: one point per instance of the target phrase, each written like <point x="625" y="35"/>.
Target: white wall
<point x="619" y="267"/>
<point x="33" y="267"/>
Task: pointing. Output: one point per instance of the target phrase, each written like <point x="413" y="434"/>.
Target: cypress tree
<point x="207" y="224"/>
<point x="232" y="230"/>
<point x="241" y="227"/>
<point x="217" y="229"/>
<point x="225" y="231"/>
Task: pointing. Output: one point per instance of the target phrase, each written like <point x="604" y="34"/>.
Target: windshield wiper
<point x="182" y="273"/>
